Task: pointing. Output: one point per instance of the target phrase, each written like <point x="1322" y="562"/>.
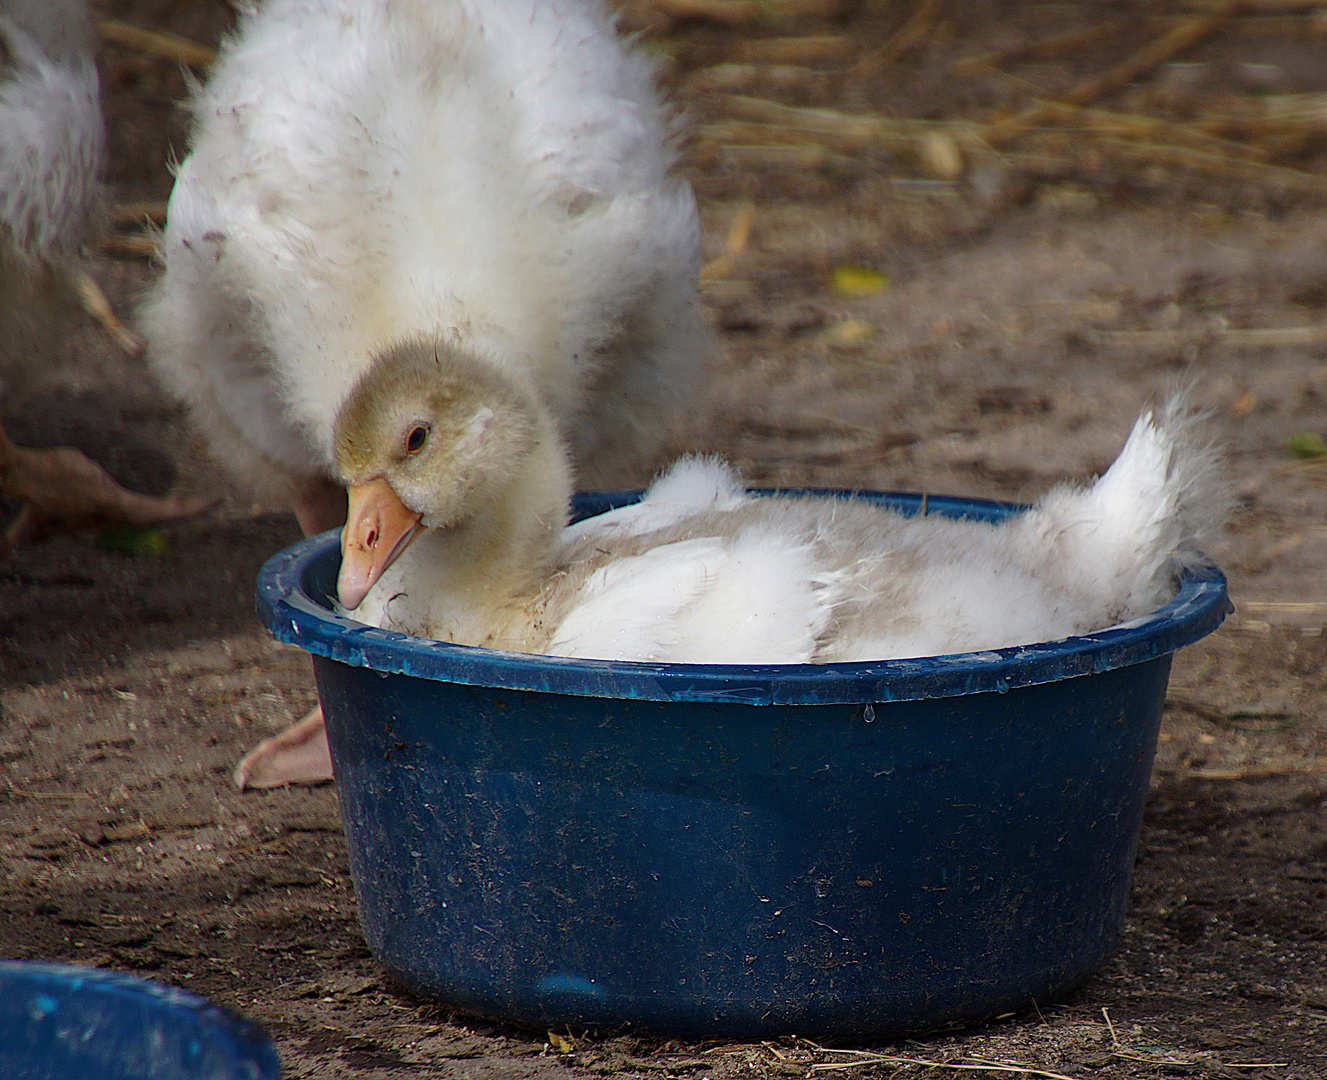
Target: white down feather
<point x="492" y="172"/>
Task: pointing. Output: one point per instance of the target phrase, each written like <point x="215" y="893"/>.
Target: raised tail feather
<point x="1151" y="514"/>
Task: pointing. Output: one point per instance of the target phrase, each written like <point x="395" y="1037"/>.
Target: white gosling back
<point x="492" y="172"/>
<point x="51" y="134"/>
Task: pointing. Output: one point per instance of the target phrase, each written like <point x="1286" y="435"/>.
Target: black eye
<point x="415" y="438"/>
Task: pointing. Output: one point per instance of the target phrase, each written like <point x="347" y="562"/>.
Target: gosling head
<point x="428" y="437"/>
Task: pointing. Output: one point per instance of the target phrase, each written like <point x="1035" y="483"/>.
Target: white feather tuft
<point x="1128" y="535"/>
<point x="369" y="171"/>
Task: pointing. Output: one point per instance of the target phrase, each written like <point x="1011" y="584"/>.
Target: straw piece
<point x="1283" y="607"/>
<point x="135" y="213"/>
<point x="939" y="154"/>
<point x="1268" y="5"/>
<point x="824" y="121"/>
<point x="137" y="246"/>
<point x="909" y="34"/>
<point x="1296" y="23"/>
<point x="862" y="129"/>
<point x="1263" y="338"/>
<point x="1139" y="126"/>
<point x="1221" y="774"/>
<point x="1176" y="40"/>
<point x="746" y="133"/>
<point x="808" y="156"/>
<point x="1222" y="165"/>
<point x="792" y="50"/>
<point x="944" y="147"/>
<point x="866" y="1057"/>
<point x="739" y="235"/>
<point x="747" y="12"/>
<point x="1039" y="50"/>
<point x="157" y="43"/>
<point x="853" y="1059"/>
<point x="1299" y="17"/>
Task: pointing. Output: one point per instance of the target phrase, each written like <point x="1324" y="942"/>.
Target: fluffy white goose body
<point x="50" y="116"/>
<point x="446" y="540"/>
<point x="493" y="172"/>
<point x="51" y="144"/>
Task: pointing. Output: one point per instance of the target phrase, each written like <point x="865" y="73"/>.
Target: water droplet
<point x="868" y="714"/>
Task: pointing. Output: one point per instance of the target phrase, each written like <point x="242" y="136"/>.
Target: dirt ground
<point x="1024" y="290"/>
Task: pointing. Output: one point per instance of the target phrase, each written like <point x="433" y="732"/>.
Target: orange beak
<point x="379" y="526"/>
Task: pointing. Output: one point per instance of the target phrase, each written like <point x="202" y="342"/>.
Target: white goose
<point x="51" y="142"/>
<point x="459" y="490"/>
<point x="485" y="174"/>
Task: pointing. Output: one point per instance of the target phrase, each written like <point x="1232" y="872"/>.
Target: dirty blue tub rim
<point x="101" y="1022"/>
<point x="294" y="589"/>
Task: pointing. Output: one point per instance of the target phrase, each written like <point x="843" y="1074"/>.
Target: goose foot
<point x="63" y="491"/>
<point x="96" y="305"/>
<point x="297" y="755"/>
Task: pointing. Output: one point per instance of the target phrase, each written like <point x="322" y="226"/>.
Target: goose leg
<point x="299" y="754"/>
<point x="96" y="305"/>
<point x="63" y="491"/>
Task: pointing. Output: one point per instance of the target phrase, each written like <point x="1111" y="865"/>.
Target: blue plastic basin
<point x="62" y="1022"/>
<point x="844" y="850"/>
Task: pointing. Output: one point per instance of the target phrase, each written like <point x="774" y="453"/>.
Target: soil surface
<point x="1019" y="294"/>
